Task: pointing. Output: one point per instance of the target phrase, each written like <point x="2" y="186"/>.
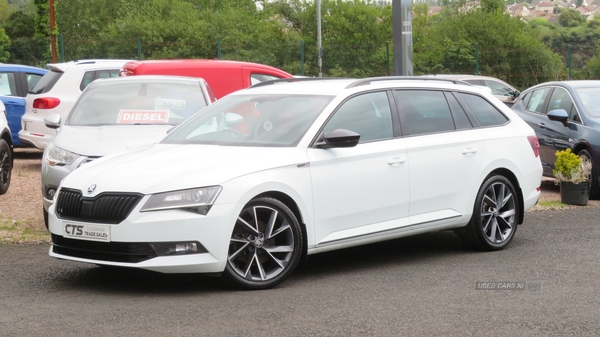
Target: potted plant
<point x="572" y="173"/>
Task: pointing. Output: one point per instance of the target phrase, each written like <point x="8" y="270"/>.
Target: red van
<point x="223" y="76"/>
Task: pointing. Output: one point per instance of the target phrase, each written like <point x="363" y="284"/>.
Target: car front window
<point x="252" y="120"/>
<point x="590" y="100"/>
<point x="143" y="102"/>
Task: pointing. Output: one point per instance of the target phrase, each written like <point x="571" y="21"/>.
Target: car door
<point x="552" y="135"/>
<point x="444" y="154"/>
<point x="363" y="189"/>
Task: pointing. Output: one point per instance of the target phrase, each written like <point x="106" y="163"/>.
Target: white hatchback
<point x="273" y="173"/>
<point x="56" y="92"/>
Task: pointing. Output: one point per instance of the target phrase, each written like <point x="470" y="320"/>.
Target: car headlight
<point x="195" y="199"/>
<point x="57" y="156"/>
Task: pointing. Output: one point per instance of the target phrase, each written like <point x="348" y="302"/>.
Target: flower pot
<point x="574" y="194"/>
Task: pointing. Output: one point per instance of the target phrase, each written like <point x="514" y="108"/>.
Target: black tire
<point x="265" y="246"/>
<point x="495" y="216"/>
<point x="45" y="217"/>
<point x="594" y="188"/>
<point x="5" y="166"/>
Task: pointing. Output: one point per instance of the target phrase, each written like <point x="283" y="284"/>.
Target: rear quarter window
<point x="485" y="113"/>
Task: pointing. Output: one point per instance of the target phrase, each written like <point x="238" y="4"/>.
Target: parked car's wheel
<point x="594" y="188"/>
<point x="45" y="217"/>
<point x="265" y="246"/>
<point x="5" y="166"/>
<point x="494" y="220"/>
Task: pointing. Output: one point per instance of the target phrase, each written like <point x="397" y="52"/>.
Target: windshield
<point x="590" y="99"/>
<point x="138" y="102"/>
<point x="252" y="120"/>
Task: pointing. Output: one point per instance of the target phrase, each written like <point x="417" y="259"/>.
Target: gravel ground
<point x="21" y="217"/>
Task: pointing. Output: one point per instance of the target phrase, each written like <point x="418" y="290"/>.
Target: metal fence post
<point x="61" y="46"/>
<point x="218" y="47"/>
<point x="477" y="59"/>
<point x="569" y="61"/>
<point x="139" y="45"/>
<point x="301" y="57"/>
<point x="387" y="56"/>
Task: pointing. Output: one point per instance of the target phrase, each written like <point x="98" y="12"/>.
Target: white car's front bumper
<point x="212" y="232"/>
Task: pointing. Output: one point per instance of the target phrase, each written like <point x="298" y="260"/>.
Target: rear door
<point x="444" y="154"/>
<point x="15" y="83"/>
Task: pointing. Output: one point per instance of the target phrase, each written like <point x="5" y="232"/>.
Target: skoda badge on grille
<point x="91" y="189"/>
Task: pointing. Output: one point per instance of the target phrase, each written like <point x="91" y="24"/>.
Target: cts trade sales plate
<point x="87" y="232"/>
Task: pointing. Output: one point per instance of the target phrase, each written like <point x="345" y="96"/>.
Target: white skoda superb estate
<point x="270" y="174"/>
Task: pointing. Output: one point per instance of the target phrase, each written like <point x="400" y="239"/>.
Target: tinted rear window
<point x="46" y="82"/>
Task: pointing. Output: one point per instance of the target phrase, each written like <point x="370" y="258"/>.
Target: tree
<point x="4" y="45"/>
<point x="570" y="18"/>
<point x="508" y="48"/>
<point x="24" y="49"/>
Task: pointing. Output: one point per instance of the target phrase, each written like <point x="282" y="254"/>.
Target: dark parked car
<point x="565" y="114"/>
<point x="15" y="82"/>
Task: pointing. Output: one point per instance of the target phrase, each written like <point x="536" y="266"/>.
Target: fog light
<point x="177" y="248"/>
<point x="51" y="192"/>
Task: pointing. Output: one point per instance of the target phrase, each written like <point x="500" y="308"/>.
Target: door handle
<point x="469" y="150"/>
<point x="542" y="125"/>
<point x="396" y="161"/>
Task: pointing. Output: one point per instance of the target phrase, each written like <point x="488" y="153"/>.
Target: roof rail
<point x="366" y="81"/>
<point x="295" y="79"/>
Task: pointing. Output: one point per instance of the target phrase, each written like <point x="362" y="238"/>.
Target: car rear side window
<point x="8" y="86"/>
<point x="257" y="78"/>
<point x="423" y="112"/>
<point x="460" y="117"/>
<point x="46" y="82"/>
<point x="91" y="76"/>
<point x="485" y="113"/>
<point x="32" y="80"/>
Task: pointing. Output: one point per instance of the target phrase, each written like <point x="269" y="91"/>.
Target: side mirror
<point x="339" y="138"/>
<point x="52" y="121"/>
<point x="559" y="115"/>
<point x="516" y="93"/>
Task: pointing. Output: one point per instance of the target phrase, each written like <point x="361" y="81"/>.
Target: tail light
<point x="535" y="145"/>
<point x="46" y="103"/>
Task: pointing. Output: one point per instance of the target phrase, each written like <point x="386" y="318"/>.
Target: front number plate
<point x="88" y="232"/>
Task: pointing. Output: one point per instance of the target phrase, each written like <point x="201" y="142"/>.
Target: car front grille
<point x="103" y="251"/>
<point x="111" y="208"/>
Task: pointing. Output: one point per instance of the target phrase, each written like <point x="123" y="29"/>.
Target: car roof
<point x="186" y="63"/>
<point x="571" y="83"/>
<point x="22" y="66"/>
<point x="146" y="78"/>
<point x="336" y="86"/>
<point x="87" y="64"/>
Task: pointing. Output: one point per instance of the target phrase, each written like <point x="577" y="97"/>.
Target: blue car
<point x="15" y="82"/>
<point x="565" y="114"/>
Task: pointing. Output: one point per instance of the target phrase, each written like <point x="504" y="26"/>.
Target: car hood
<point x="98" y="141"/>
<point x="166" y="167"/>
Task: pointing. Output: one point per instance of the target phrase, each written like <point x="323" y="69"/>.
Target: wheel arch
<point x="293" y="206"/>
<point x="508" y="174"/>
